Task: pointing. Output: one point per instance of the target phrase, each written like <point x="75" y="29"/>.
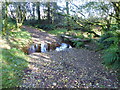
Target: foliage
<point x="11" y="26"/>
<point x="46" y="26"/>
<point x="31" y="23"/>
<point x="78" y="44"/>
<point x="114" y="27"/>
<point x="13" y="63"/>
<point x="57" y="31"/>
<point x="36" y="24"/>
<point x="104" y="43"/>
<point x="79" y="36"/>
<point x="19" y="39"/>
<point x="111" y="53"/>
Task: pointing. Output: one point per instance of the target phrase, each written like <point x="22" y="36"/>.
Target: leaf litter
<point x="71" y="68"/>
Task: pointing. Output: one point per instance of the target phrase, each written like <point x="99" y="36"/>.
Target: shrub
<point x="78" y="44"/>
<point x="46" y="26"/>
<point x="19" y="39"/>
<point x="106" y="43"/>
<point x="111" y="54"/>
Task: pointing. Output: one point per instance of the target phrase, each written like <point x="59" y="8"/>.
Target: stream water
<point x="31" y="49"/>
<point x="44" y="47"/>
<point x="63" y="47"/>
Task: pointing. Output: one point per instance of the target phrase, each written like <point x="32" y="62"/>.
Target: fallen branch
<point x="74" y="39"/>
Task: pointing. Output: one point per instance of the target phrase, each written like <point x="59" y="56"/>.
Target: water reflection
<point x="32" y="49"/>
<point x="63" y="47"/>
<point x="45" y="47"/>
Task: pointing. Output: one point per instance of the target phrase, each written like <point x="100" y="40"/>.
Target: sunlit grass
<point x="13" y="63"/>
<point x="11" y="25"/>
<point x="20" y="39"/>
<point x="57" y="31"/>
<point x="73" y="33"/>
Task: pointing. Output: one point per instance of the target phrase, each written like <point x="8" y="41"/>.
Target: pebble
<point x="97" y="84"/>
<point x="109" y="85"/>
<point x="82" y="60"/>
<point x="54" y="84"/>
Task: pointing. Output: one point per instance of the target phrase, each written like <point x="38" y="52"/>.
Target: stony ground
<point x="71" y="68"/>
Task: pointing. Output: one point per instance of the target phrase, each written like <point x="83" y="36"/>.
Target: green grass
<point x="57" y="31"/>
<point x="20" y="39"/>
<point x="13" y="63"/>
<point x="74" y="33"/>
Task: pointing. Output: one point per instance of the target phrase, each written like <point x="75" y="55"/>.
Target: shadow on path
<point x="71" y="68"/>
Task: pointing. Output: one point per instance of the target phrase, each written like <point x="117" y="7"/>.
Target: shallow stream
<point x="44" y="47"/>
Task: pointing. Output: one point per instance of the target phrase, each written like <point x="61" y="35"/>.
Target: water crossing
<point x="45" y="47"/>
<point x="63" y="47"/>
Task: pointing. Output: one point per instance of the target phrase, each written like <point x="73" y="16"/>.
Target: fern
<point x="78" y="44"/>
<point x="110" y="58"/>
<point x="115" y="39"/>
<point x="111" y="55"/>
<point x="112" y="48"/>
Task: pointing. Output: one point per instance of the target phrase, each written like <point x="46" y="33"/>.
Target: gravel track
<point x="71" y="68"/>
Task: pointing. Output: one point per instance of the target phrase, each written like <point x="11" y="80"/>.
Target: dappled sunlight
<point x="47" y="60"/>
<point x="55" y="69"/>
<point x="60" y="45"/>
<point x="5" y="62"/>
<point x="41" y="56"/>
<point x="45" y="56"/>
<point x="68" y="68"/>
<point x="12" y="66"/>
<point x="11" y="74"/>
<point x="98" y="31"/>
<point x="35" y="35"/>
<point x="47" y="37"/>
<point x="33" y="67"/>
<point x="37" y="40"/>
<point x="35" y="57"/>
<point x="3" y="44"/>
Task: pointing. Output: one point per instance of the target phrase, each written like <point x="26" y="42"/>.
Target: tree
<point x="5" y="19"/>
<point x="33" y="10"/>
<point x="54" y="12"/>
<point x="48" y="13"/>
<point x="116" y="6"/>
<point x="67" y="10"/>
<point x="38" y="11"/>
<point x="20" y="14"/>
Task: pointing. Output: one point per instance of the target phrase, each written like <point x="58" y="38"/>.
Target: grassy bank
<point x="14" y="61"/>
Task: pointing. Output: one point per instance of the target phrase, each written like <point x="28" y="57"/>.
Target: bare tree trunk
<point x="33" y="10"/>
<point x="38" y="11"/>
<point x="68" y="22"/>
<point x="20" y="16"/>
<point x="48" y="14"/>
<point x="5" y="27"/>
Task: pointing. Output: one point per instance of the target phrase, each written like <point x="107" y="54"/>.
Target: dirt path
<point x="39" y="36"/>
<point x="70" y="68"/>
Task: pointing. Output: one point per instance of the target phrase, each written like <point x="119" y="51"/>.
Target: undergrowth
<point x="14" y="62"/>
<point x="19" y="39"/>
<point x="78" y="44"/>
<point x="111" y="52"/>
<point x="57" y="31"/>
